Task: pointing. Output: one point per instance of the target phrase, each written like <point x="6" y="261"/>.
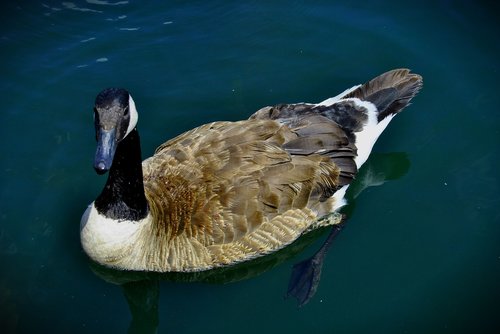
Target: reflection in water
<point x="142" y="298"/>
<point x="379" y="169"/>
<point x="306" y="274"/>
<point x="141" y="289"/>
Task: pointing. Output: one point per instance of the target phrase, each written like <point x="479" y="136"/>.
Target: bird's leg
<point x="306" y="274"/>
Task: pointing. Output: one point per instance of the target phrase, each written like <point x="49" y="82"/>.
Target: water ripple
<point x="87" y="40"/>
<point x="107" y="3"/>
<point x="72" y="6"/>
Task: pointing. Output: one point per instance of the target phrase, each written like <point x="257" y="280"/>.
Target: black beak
<point x="106" y="147"/>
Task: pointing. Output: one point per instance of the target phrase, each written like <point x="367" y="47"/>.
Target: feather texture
<point x="227" y="192"/>
<point x="234" y="193"/>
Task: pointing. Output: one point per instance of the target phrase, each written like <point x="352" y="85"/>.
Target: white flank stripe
<point x="339" y="197"/>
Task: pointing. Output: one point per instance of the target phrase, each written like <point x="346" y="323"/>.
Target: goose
<point x="228" y="192"/>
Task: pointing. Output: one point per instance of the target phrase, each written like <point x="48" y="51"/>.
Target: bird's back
<point x="226" y="192"/>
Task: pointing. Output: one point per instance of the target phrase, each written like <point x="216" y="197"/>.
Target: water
<point x="419" y="253"/>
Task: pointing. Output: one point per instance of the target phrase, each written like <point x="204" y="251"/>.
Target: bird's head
<point x="115" y="116"/>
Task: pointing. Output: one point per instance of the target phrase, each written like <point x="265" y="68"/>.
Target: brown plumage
<point x="227" y="192"/>
<point x="230" y="189"/>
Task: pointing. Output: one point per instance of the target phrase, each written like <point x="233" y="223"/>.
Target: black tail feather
<point x="390" y="91"/>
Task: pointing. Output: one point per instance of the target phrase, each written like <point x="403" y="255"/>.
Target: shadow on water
<point x="142" y="289"/>
<point x="379" y="169"/>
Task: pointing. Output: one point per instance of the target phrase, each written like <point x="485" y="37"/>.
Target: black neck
<point x="123" y="195"/>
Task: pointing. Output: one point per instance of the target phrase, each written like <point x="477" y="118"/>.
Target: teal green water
<point x="418" y="254"/>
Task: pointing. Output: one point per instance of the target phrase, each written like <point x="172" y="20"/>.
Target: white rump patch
<point x="332" y="100"/>
<point x="366" y="138"/>
<point x="134" y="116"/>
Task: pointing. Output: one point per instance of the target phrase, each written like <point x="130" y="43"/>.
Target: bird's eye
<point x="125" y="112"/>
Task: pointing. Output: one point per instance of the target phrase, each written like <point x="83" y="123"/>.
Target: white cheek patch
<point x="134" y="116"/>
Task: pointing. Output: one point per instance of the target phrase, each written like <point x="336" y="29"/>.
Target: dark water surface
<point x="419" y="254"/>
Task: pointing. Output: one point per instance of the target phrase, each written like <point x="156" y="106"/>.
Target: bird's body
<point x="227" y="192"/>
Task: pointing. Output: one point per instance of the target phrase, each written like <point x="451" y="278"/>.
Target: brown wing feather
<point x="225" y="186"/>
<point x="318" y="131"/>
